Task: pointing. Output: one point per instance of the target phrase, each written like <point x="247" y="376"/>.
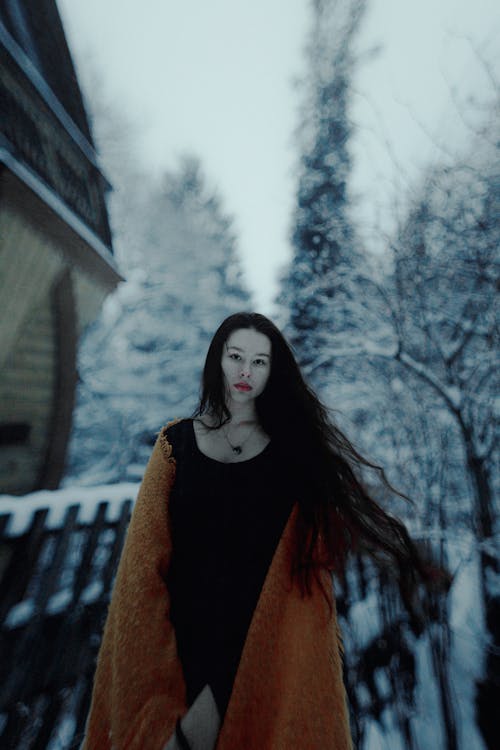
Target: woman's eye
<point x="260" y="362"/>
<point x="234" y="356"/>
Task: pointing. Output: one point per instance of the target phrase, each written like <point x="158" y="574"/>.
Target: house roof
<point x="36" y="27"/>
<point x="45" y="130"/>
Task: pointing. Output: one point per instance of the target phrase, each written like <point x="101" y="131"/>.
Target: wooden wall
<point x="48" y="296"/>
<point x="56" y="255"/>
<point x="26" y="393"/>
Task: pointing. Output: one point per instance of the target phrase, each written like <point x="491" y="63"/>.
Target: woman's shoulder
<point x="175" y="433"/>
<point x="174" y="425"/>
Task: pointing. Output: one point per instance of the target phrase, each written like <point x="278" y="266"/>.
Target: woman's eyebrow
<point x="259" y="354"/>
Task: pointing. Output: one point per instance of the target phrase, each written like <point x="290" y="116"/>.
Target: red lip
<point x="243" y="386"/>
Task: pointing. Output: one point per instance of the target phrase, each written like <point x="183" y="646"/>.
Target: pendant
<point x="237" y="449"/>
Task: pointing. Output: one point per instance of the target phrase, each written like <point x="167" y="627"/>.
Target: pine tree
<point x="140" y="364"/>
<point x="324" y="246"/>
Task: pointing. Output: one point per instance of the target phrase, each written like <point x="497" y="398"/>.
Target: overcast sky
<point x="215" y="78"/>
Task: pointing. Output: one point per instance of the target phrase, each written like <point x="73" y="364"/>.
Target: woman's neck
<point x="241" y="413"/>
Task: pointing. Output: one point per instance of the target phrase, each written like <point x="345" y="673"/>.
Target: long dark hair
<point x="337" y="511"/>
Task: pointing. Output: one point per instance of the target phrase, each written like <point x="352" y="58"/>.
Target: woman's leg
<point x="199" y="727"/>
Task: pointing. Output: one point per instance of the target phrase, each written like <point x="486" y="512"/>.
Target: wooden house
<point x="56" y="255"/>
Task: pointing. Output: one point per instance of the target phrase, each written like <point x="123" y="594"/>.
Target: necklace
<point x="238" y="448"/>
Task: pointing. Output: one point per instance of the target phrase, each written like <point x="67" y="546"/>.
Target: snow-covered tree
<point x="433" y="346"/>
<point x="444" y="310"/>
<point x="324" y="246"/>
<point x="140" y="364"/>
<point x="404" y="346"/>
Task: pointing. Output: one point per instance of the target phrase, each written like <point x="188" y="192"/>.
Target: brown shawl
<point x="288" y="691"/>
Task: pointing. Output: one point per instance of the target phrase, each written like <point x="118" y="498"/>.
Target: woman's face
<point x="246" y="364"/>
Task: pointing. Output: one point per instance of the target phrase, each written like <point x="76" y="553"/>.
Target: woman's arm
<point x="139" y="689"/>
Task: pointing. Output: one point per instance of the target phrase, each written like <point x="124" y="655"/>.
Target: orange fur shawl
<point x="288" y="692"/>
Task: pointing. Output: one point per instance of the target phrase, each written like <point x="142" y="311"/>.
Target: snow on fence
<point x="58" y="555"/>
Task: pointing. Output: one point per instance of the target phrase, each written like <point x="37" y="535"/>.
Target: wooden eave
<point x="44" y="209"/>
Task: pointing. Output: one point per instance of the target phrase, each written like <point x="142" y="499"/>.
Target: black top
<point x="226" y="519"/>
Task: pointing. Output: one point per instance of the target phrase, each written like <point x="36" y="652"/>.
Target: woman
<point x="222" y="628"/>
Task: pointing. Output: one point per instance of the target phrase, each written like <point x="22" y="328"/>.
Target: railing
<point x="55" y="586"/>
